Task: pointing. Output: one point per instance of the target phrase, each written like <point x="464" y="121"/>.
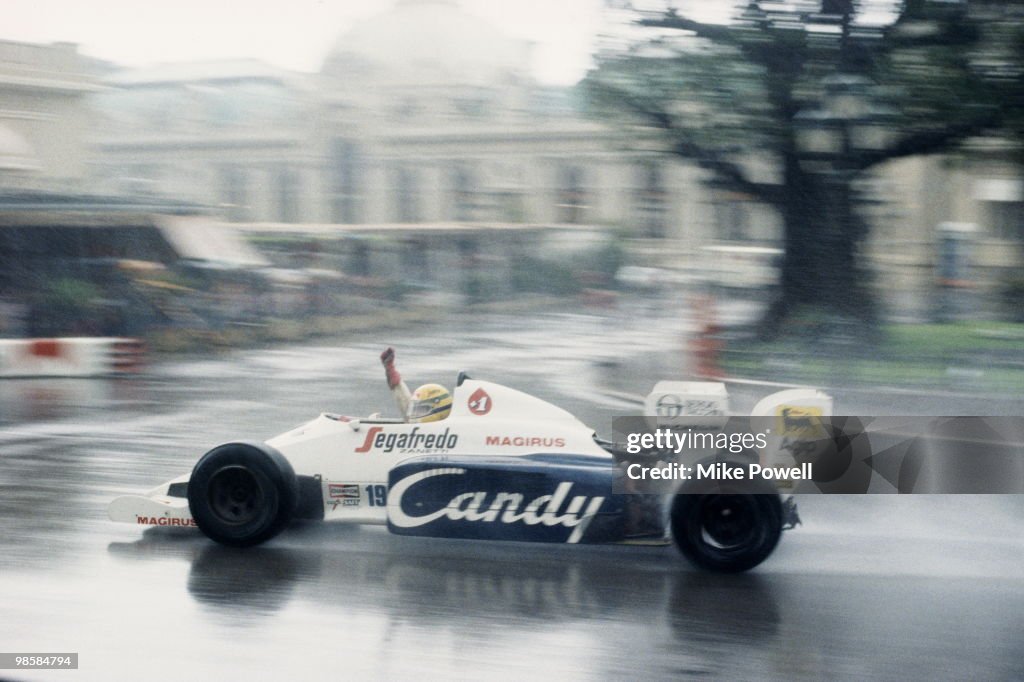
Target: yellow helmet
<point x="430" y="403"/>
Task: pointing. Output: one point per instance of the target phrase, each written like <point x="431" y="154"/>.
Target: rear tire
<point x="727" y="528"/>
<point x="242" y="494"/>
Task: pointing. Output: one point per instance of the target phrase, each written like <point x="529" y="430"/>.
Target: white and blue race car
<point x="504" y="465"/>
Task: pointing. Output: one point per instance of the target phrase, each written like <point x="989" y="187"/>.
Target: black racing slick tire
<point x="729" y="529"/>
<point x="242" y="494"/>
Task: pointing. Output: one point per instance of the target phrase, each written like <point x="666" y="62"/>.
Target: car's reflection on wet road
<point x="920" y="587"/>
<point x="403" y="607"/>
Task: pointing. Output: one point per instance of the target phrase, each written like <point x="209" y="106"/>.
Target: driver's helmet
<point x="429" y="403"/>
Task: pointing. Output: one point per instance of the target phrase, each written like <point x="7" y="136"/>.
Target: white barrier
<point x="69" y="357"/>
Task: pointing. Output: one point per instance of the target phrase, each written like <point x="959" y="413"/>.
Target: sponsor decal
<point x="412" y="442"/>
<point x="345" y="494"/>
<point x="480" y="402"/>
<point x="791" y="420"/>
<point x="368" y="443"/>
<point x="673" y="406"/>
<point x="669" y="406"/>
<point x="525" y="442"/>
<point x="556" y="509"/>
<point x="164" y="521"/>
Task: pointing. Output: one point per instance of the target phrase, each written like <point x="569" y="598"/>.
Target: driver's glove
<point x="387" y="358"/>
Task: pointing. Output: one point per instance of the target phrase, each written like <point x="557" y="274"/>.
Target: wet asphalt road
<point x="924" y="587"/>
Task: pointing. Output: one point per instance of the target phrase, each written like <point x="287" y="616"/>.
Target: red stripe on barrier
<point x="127" y="355"/>
<point x="45" y="348"/>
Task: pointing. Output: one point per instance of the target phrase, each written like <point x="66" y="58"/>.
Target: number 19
<point x="377" y="495"/>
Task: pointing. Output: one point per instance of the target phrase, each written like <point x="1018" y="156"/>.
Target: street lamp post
<point x="833" y="136"/>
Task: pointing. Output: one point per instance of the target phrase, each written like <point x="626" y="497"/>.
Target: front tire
<point x="727" y="530"/>
<point x="242" y="494"/>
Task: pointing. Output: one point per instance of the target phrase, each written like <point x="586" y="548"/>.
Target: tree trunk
<point x="822" y="280"/>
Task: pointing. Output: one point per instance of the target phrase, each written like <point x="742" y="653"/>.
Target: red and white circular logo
<point x="480" y="402"/>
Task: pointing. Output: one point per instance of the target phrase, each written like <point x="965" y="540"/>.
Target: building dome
<point x="427" y="41"/>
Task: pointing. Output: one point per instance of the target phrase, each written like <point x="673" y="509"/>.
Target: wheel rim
<point x="235" y="495"/>
<point x="728" y="522"/>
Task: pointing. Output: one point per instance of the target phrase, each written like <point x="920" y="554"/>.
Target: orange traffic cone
<point x="705" y="346"/>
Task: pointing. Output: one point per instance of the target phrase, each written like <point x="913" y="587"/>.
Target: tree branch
<point x="931" y="141"/>
<point x="959" y="35"/>
<point x="708" y="159"/>
<point x="785" y="64"/>
<point x="729" y="172"/>
<point x="671" y="19"/>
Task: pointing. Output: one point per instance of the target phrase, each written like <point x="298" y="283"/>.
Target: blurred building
<point x="69" y="256"/>
<point x="948" y="225"/>
<point x="232" y="135"/>
<point x="45" y="115"/>
<point x="421" y="114"/>
<point x="425" y="115"/>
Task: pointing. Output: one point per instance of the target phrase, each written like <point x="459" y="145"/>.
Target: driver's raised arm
<point x="399" y="390"/>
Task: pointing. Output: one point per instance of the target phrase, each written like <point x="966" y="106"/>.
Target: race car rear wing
<point x="791" y="421"/>
<point x="706" y="403"/>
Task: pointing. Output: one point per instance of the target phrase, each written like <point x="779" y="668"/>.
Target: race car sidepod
<point x="536" y="498"/>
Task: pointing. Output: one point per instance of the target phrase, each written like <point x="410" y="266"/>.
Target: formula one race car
<point x="503" y="465"/>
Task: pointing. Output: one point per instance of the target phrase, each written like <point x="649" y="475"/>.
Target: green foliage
<point x="713" y="92"/>
<point x="71" y="293"/>
<point x="820" y="98"/>
<point x="66" y="306"/>
<point x="964" y="356"/>
<point x="958" y="338"/>
<point x="709" y="92"/>
<point x="72" y="299"/>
